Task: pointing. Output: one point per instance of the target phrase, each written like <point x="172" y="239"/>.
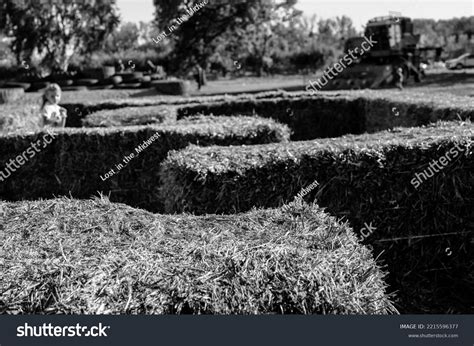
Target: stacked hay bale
<point x="333" y="115"/>
<point x="114" y="259"/>
<point x="368" y="179"/>
<point x="77" y="160"/>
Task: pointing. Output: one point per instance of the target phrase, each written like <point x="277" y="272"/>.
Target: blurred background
<point x="85" y="44"/>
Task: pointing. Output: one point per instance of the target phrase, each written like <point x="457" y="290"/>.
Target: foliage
<point x="58" y="30"/>
<point x="264" y="36"/>
<point x="137" y="57"/>
<point x="455" y="35"/>
<point x="126" y="37"/>
<point x="305" y="60"/>
<point x="220" y="30"/>
<point x="335" y="31"/>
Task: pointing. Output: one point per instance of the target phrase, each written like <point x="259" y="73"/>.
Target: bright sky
<point x="359" y="11"/>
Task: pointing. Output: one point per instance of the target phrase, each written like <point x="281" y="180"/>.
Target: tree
<point x="193" y="39"/>
<point x="257" y="32"/>
<point x="57" y="29"/>
<point x="126" y="37"/>
<point x="246" y="25"/>
<point x="345" y="28"/>
<point x="452" y="34"/>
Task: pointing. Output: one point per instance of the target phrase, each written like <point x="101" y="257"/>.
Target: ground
<point x="455" y="82"/>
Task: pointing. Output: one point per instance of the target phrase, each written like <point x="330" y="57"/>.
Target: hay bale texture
<point x="65" y="256"/>
<point x="77" y="161"/>
<point x="80" y="111"/>
<point x="332" y="115"/>
<point x="270" y="175"/>
<point x="366" y="179"/>
<point x="130" y="116"/>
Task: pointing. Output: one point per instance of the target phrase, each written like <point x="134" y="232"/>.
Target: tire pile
<point x="88" y="79"/>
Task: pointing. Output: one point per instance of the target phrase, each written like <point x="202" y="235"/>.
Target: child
<point x="52" y="115"/>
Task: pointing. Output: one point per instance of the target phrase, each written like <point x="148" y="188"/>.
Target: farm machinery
<point x="396" y="46"/>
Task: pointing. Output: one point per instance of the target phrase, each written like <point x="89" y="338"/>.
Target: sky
<point x="359" y="11"/>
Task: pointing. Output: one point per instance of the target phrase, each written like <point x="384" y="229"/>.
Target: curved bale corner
<point x="66" y="256"/>
<point x="130" y="116"/>
<point x="369" y="179"/>
<point x="347" y="112"/>
<point x="120" y="162"/>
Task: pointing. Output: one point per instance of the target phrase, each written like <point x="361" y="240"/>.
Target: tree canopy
<point x="237" y="25"/>
<point x="57" y="30"/>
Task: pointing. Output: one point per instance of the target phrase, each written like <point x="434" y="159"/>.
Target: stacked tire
<point x="131" y="80"/>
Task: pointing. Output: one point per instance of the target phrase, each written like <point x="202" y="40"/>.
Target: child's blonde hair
<point x="51" y="87"/>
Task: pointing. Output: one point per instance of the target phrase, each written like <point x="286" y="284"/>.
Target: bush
<point x="79" y="161"/>
<point x="336" y="114"/>
<point x="128" y="261"/>
<point x="309" y="60"/>
<point x="131" y="116"/>
<point x="366" y="179"/>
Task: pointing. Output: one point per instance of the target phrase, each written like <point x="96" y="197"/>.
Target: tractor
<point x="396" y="46"/>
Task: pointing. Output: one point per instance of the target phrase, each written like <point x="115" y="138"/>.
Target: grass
<point x="96" y="257"/>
